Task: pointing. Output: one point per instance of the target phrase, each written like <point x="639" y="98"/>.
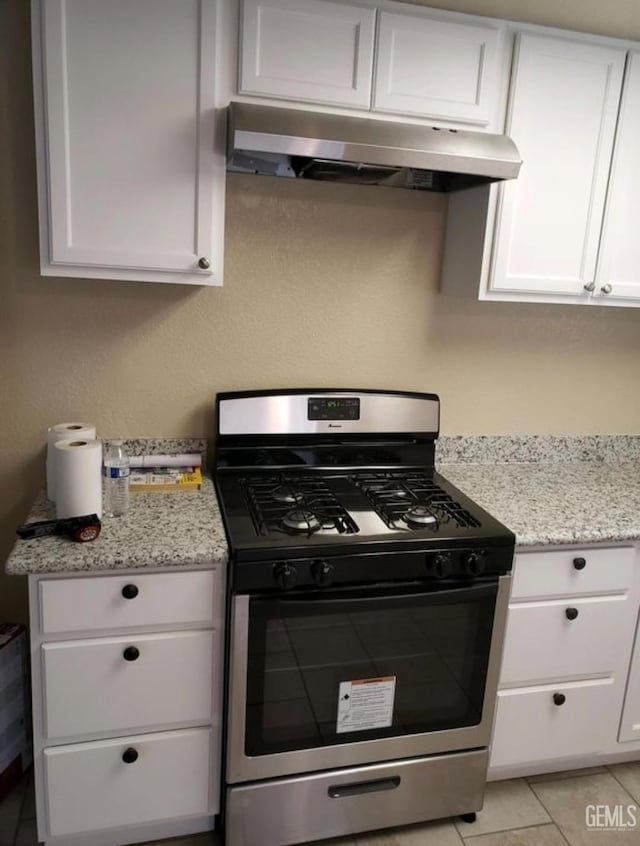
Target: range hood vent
<point x="310" y="145"/>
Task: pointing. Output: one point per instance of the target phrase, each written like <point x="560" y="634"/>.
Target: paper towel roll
<point x="78" y="466"/>
<point x="62" y="432"/>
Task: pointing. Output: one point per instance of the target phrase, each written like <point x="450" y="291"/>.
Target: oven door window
<point x="430" y="651"/>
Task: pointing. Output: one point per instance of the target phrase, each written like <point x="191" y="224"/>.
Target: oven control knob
<point x="285" y="575"/>
<point x="441" y="565"/>
<point x="322" y="573"/>
<point x="474" y="563"/>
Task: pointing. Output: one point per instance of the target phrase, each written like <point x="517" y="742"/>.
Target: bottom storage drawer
<point x="546" y="723"/>
<point x="131" y="780"/>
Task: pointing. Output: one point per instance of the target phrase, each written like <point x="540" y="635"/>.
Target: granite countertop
<point x="547" y="489"/>
<point x="558" y="502"/>
<point x="159" y="530"/>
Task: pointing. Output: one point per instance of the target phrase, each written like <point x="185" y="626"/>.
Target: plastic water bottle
<point x="116" y="480"/>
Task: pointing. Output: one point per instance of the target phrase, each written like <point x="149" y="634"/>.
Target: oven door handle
<point x="395" y="598"/>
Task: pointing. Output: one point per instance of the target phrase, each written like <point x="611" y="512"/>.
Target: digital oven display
<point x="333" y="408"/>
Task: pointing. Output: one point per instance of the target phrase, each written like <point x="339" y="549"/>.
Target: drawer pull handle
<point x="342" y="791"/>
<point x="579" y="563"/>
<point x="559" y="698"/>
<point x="129" y="755"/>
<point x="131" y="653"/>
<point x="571" y="613"/>
<point x="130" y="591"/>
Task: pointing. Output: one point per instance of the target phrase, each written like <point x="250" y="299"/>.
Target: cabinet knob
<point x="606" y="289"/>
<point x="130" y="755"/>
<point x="130" y="591"/>
<point x="559" y="698"/>
<point x="579" y="563"/>
<point x="131" y="653"/>
<point x="571" y="613"/>
<point x="204" y="263"/>
<point x="590" y="287"/>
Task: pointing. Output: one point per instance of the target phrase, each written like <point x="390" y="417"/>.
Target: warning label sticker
<point x="366" y="704"/>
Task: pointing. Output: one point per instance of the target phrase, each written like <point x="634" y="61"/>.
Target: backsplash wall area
<point x="325" y="285"/>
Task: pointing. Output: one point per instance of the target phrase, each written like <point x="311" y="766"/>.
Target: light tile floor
<point x="546" y="810"/>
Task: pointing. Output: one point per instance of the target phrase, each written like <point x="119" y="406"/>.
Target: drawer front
<point x="547" y="574"/>
<point x="547" y="640"/>
<point x="530" y="727"/>
<point x="100" y="602"/>
<point x="91" y="686"/>
<point x="89" y="786"/>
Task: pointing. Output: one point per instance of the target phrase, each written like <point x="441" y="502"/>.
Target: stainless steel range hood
<point x="295" y="143"/>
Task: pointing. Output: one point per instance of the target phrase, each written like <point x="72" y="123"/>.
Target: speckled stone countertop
<point x="158" y="530"/>
<point x="556" y="503"/>
<point x="547" y="489"/>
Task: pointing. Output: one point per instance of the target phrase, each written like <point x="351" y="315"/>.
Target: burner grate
<point x="412" y="501"/>
<point x="295" y="505"/>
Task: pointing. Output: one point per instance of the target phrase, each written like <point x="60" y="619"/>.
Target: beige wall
<point x="325" y="285"/>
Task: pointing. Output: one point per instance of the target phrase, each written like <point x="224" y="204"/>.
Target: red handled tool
<point x="81" y="529"/>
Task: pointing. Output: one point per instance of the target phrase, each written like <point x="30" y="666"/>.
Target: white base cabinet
<point x="89" y="784"/>
<point x="569" y="637"/>
<point x="127" y="711"/>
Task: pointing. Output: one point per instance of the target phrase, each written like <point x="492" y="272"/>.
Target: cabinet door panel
<point x="562" y="116"/>
<point x="619" y="262"/>
<point x="311" y="50"/>
<point x="99" y="602"/>
<point x="630" y="723"/>
<point x="437" y="68"/>
<point x="89" y="787"/>
<point x="90" y="686"/>
<point x="129" y="132"/>
<point x="561" y="572"/>
<point x="530" y="727"/>
<point x="541" y="642"/>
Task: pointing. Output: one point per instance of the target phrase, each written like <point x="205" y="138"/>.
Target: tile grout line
<point x="517" y="828"/>
<point x="562" y="834"/>
<point x="616" y="779"/>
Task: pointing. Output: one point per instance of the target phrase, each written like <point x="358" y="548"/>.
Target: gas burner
<point x="412" y="501"/>
<point x="288" y="495"/>
<point x="300" y="520"/>
<point x="295" y="504"/>
<point x="420" y="517"/>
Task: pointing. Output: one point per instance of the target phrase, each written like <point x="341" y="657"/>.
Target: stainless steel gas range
<point x="367" y="604"/>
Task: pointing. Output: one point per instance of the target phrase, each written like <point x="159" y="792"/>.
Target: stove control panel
<point x="313" y="573"/>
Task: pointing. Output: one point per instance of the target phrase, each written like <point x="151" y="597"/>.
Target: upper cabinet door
<point x="562" y="115"/>
<point x="125" y="117"/>
<point x="618" y="274"/>
<point x="311" y="50"/>
<point x="439" y="68"/>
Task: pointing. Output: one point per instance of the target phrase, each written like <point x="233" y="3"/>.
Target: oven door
<point x="335" y="678"/>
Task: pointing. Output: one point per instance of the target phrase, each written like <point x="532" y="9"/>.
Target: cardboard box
<point x="16" y="748"/>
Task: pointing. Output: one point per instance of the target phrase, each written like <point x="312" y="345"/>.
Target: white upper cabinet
<point x="131" y="174"/>
<point x="618" y="275"/>
<point x="438" y="67"/>
<point x="562" y="116"/>
<point x="310" y="50"/>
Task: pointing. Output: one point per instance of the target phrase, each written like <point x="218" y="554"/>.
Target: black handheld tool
<point x="81" y="529"/>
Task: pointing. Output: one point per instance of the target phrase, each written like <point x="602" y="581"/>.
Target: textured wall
<point x="325" y="285"/>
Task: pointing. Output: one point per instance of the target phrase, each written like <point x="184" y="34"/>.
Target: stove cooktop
<point x="306" y="512"/>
